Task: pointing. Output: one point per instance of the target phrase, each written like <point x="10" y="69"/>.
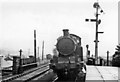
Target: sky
<point x="19" y="19"/>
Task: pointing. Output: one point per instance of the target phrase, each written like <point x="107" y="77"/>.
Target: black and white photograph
<point x="59" y="41"/>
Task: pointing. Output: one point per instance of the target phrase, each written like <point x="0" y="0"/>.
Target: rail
<point x="33" y="75"/>
<point x="48" y="76"/>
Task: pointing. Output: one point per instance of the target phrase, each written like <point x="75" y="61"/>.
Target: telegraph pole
<point x="38" y="52"/>
<point x="108" y="58"/>
<point x="97" y="21"/>
<point x="43" y="50"/>
<point x="38" y="56"/>
<point x="20" y="63"/>
<point x="35" y="44"/>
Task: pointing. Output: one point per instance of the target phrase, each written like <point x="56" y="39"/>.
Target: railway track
<point x="48" y="76"/>
<point x="32" y="75"/>
<point x="43" y="74"/>
<point x="26" y="76"/>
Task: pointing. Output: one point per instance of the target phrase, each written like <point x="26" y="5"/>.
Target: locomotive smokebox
<point x="65" y="32"/>
<point x="65" y="44"/>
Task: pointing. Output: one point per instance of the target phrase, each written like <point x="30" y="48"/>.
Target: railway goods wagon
<point x="68" y="64"/>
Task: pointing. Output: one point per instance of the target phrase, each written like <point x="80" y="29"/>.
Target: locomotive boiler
<point x="68" y="64"/>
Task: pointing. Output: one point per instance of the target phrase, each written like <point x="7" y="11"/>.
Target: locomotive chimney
<point x="65" y="32"/>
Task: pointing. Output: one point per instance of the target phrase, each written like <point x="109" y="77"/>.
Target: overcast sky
<point x="49" y="18"/>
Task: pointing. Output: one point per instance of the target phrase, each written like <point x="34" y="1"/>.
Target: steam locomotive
<point x="69" y="65"/>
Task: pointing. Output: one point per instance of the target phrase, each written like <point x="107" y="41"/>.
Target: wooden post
<point x="43" y="50"/>
<point x="38" y="55"/>
<point x="35" y="45"/>
<point x="107" y="58"/>
<point x="20" y="64"/>
<point x="87" y="46"/>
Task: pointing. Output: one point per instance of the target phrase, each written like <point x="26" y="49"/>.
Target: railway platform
<point x="102" y="74"/>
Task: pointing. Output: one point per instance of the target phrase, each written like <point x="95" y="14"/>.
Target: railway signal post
<point x="97" y="21"/>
